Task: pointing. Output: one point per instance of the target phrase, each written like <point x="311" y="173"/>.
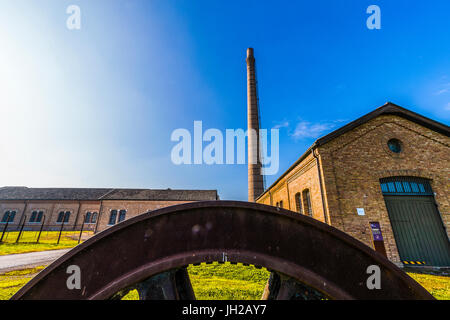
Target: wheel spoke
<point x="280" y="287"/>
<point x="169" y="285"/>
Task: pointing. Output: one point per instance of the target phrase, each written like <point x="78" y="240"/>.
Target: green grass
<point x="227" y="282"/>
<point x="11" y="282"/>
<point x="221" y="281"/>
<point x="47" y="241"/>
<point x="438" y="286"/>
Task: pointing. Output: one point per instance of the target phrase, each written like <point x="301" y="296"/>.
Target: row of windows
<point x="113" y="216"/>
<point x="37" y="216"/>
<point x="303" y="208"/>
<point x="406" y="185"/>
<point x="64" y="216"/>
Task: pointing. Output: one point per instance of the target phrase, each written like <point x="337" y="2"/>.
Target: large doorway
<point x="418" y="229"/>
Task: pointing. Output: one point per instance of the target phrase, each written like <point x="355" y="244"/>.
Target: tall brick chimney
<point x="255" y="179"/>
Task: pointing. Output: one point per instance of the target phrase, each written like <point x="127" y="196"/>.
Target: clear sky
<point x="95" y="107"/>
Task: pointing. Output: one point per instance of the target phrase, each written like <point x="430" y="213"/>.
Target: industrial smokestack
<point x="255" y="178"/>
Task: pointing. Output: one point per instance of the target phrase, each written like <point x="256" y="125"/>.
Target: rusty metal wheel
<point x="308" y="259"/>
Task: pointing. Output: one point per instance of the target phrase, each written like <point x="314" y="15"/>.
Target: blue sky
<point x="95" y="107"/>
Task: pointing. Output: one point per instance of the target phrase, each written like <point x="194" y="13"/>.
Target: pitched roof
<point x="388" y="108"/>
<point x="24" y="193"/>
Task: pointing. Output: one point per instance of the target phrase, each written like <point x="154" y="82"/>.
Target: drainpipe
<point x="320" y="185"/>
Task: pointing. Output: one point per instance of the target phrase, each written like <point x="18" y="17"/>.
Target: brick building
<point x="95" y="209"/>
<point x="383" y="179"/>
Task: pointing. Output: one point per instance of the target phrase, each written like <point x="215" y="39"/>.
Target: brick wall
<point x="354" y="163"/>
<point x="77" y="210"/>
<point x="301" y="177"/>
<point x="133" y="209"/>
<point x="351" y="168"/>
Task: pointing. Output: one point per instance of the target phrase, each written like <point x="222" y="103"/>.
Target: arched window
<point x="298" y="202"/>
<point x="39" y="216"/>
<point x="91" y="217"/>
<point x="60" y="217"/>
<point x="8" y="215"/>
<point x="63" y="216"/>
<point x="113" y="217"/>
<point x="33" y="216"/>
<point x="94" y="217"/>
<point x="36" y="216"/>
<point x="307" y="202"/>
<point x="406" y="186"/>
<point x="87" y="218"/>
<point x="122" y="214"/>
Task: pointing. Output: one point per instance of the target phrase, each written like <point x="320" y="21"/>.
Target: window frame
<point x="110" y="222"/>
<point x="9" y="216"/>
<point x="307" y="204"/>
<point x="39" y="214"/>
<point x="406" y="186"/>
<point x="94" y="217"/>
<point x="298" y="202"/>
<point x="87" y="217"/>
<point x="122" y="215"/>
<point x="395" y="145"/>
<point x="64" y="216"/>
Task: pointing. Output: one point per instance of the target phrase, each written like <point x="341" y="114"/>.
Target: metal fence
<point x="40" y="232"/>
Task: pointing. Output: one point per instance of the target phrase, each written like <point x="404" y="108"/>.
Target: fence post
<point x="82" y="226"/>
<point x="21" y="228"/>
<point x="5" y="228"/>
<point x="40" y="231"/>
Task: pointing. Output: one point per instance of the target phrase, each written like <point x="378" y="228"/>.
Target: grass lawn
<point x="28" y="243"/>
<point x="438" y="286"/>
<point x="11" y="282"/>
<point x="227" y="282"/>
<point x="221" y="282"/>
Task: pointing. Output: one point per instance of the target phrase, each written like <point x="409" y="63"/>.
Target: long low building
<point x="94" y="209"/>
